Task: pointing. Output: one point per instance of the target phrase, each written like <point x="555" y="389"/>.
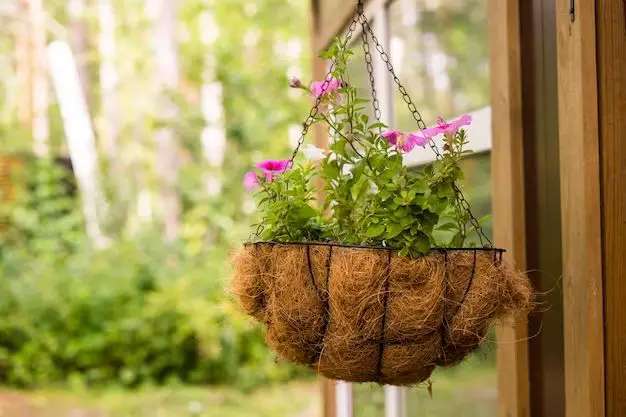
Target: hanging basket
<point x="368" y="315"/>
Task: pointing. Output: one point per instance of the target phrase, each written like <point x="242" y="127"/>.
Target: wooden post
<point x="508" y="194"/>
<point x="581" y="213"/>
<point x="611" y="55"/>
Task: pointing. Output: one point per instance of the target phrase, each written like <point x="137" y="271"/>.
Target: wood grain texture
<point x="580" y="202"/>
<point x="334" y="17"/>
<point x="508" y="194"/>
<point x="611" y="55"/>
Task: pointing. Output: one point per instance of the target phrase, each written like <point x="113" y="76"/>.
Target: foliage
<point x="122" y="314"/>
<point x="289" y="215"/>
<point x="141" y="310"/>
<point x="41" y="213"/>
<point x="371" y="198"/>
<point x="136" y="312"/>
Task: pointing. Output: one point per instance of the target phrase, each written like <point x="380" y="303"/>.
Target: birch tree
<point x="80" y="136"/>
<point x="109" y="122"/>
<point x="40" y="86"/>
<point x="165" y="49"/>
<point x="79" y="42"/>
<point x="24" y="66"/>
<point x="213" y="137"/>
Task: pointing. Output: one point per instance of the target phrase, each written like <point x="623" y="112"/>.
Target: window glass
<point x="440" y="51"/>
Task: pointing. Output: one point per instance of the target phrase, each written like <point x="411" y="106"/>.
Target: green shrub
<point x="129" y="314"/>
<point x="137" y="312"/>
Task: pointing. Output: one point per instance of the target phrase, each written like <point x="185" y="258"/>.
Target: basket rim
<point x="348" y="246"/>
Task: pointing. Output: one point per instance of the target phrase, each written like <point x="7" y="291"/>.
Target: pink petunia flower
<point x="273" y="167"/>
<point x="317" y="87"/>
<point x="405" y="141"/>
<point x="251" y="180"/>
<point x="448" y="128"/>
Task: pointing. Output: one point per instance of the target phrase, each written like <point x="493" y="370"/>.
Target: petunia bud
<point x="295" y="82"/>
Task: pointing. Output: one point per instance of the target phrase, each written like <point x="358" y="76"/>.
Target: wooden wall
<point x="581" y="210"/>
<point x="509" y="217"/>
<point x="333" y="17"/>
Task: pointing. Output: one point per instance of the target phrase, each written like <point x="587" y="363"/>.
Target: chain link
<point x="370" y="71"/>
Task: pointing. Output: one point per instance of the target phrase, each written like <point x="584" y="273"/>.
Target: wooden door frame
<point x="581" y="209"/>
<point x="509" y="221"/>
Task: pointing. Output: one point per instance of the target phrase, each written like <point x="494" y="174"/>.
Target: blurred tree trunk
<point x="40" y="85"/>
<point x="79" y="41"/>
<point x="80" y="136"/>
<point x="24" y="67"/>
<point x="165" y="48"/>
<point x="109" y="122"/>
<point x="213" y="137"/>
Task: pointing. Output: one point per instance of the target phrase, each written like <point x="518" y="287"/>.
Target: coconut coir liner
<point x="369" y="315"/>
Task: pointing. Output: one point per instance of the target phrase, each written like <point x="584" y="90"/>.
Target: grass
<point x="297" y="399"/>
<point x="469" y="390"/>
<point x="466" y="391"/>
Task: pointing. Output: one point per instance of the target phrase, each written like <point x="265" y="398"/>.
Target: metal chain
<point x="370" y="71"/>
<point x="316" y="107"/>
<point x="417" y="116"/>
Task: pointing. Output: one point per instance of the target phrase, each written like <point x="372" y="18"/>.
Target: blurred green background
<point x="136" y="319"/>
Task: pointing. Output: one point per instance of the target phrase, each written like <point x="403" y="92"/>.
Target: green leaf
<point x="331" y="169"/>
<point x="358" y="189"/>
<point x="375" y="230"/>
<point x="393" y="230"/>
<point x="422" y="243"/>
<point x="447" y="227"/>
<point x="406" y="221"/>
<point x="457" y="240"/>
<point x="484" y="220"/>
<point x="358" y="170"/>
<point x="307" y="212"/>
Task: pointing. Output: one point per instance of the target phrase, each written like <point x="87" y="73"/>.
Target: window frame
<point x="508" y="187"/>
